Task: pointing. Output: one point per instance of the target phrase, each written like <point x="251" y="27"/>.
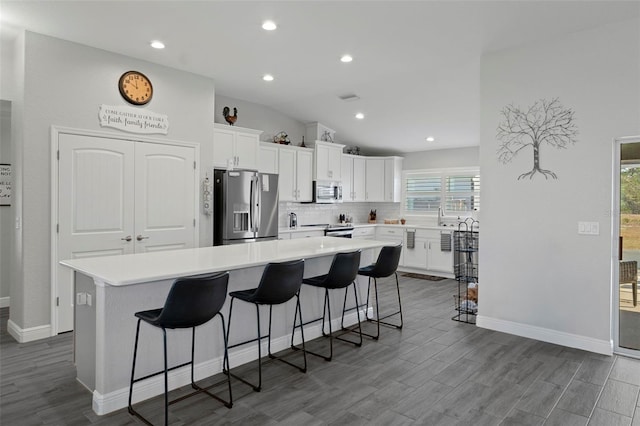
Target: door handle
<point x="140" y="238"/>
<point x="127" y="238"/>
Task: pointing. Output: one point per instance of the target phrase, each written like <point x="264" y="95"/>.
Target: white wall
<point x="5" y="211"/>
<point x="442" y="158"/>
<point x="538" y="277"/>
<point x="260" y="117"/>
<point x="64" y="84"/>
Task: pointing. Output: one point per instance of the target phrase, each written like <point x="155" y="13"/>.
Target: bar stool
<point x="385" y="266"/>
<point x="280" y="282"/>
<point x="191" y="302"/>
<point x="342" y="273"/>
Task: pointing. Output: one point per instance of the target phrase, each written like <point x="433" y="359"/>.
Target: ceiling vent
<point x="349" y="97"/>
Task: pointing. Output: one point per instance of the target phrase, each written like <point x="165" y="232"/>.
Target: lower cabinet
<point x="394" y="235"/>
<point x="429" y="250"/>
<point x="306" y="234"/>
<point x="437" y="259"/>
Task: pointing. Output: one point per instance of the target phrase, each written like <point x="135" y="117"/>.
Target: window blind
<point x="458" y="192"/>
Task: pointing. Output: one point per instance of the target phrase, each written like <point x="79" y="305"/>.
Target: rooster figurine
<point x="230" y="118"/>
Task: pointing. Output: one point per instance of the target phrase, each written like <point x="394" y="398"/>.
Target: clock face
<point x="135" y="87"/>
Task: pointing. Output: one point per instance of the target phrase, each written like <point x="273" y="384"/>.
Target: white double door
<point x="120" y="197"/>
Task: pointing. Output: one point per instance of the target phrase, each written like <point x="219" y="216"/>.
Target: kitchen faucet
<point x="440" y="215"/>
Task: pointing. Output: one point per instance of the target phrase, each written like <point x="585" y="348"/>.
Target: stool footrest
<point x="160" y="372"/>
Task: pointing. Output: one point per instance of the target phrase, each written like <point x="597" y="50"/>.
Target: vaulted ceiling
<point x="415" y="68"/>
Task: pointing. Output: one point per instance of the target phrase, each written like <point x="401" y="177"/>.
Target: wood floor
<point x="433" y="372"/>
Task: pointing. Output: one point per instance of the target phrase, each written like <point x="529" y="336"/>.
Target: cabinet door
<point x="392" y="179"/>
<point x="322" y="163"/>
<point x="268" y="158"/>
<point x="287" y="174"/>
<point x="375" y="179"/>
<point x="246" y="151"/>
<point x="304" y="175"/>
<point x="438" y="260"/>
<point x="359" y="179"/>
<point x="223" y="142"/>
<point x="335" y="163"/>
<point x="416" y="257"/>
<point x="347" y="178"/>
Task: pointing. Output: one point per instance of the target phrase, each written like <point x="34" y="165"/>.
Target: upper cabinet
<point x="295" y="166"/>
<point x="268" y="158"/>
<point x="393" y="179"/>
<point x="353" y="178"/>
<point x="375" y="179"/>
<point x="235" y="147"/>
<point x="328" y="161"/>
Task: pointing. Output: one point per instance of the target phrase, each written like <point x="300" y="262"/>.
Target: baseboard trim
<point x="107" y="403"/>
<point x="24" y="335"/>
<point x="5" y="302"/>
<point x="546" y="335"/>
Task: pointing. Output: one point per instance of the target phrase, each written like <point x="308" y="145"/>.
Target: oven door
<point x="342" y="233"/>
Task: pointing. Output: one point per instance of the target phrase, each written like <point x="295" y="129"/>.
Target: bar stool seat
<point x="342" y="273"/>
<point x="280" y="282"/>
<point x="191" y="302"/>
<point x="385" y="266"/>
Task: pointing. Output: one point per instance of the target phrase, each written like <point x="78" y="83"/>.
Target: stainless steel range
<point x="342" y="231"/>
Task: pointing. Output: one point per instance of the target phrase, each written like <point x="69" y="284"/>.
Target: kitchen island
<point x="111" y="289"/>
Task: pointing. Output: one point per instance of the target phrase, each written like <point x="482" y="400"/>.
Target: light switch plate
<point x="589" y="228"/>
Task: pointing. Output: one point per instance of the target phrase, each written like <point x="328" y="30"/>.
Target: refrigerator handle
<point x="258" y="203"/>
<point x="251" y="203"/>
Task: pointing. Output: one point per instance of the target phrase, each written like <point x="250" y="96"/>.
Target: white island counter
<point x="119" y="286"/>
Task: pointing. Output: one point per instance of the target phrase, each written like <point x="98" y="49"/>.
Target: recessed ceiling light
<point x="269" y="25"/>
<point x="157" y="44"/>
<point x="267" y="77"/>
<point x="359" y="116"/>
<point x="346" y="58"/>
<point x="430" y="139"/>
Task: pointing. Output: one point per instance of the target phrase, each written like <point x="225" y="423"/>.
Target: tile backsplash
<point x="329" y="213"/>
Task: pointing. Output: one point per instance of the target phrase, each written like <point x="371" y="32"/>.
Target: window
<point x="456" y="191"/>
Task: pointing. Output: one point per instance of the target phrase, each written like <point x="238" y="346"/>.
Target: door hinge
<point x="194" y="223"/>
<point x="57" y="301"/>
<point x="57" y="228"/>
<point x="58" y="154"/>
<point x="194" y="165"/>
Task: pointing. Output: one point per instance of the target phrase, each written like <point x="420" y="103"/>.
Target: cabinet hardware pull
<point x="140" y="238"/>
<point x="127" y="238"/>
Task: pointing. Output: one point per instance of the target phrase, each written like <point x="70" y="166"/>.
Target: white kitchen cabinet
<point x="328" y="161"/>
<point x="295" y="167"/>
<point x="353" y="178"/>
<point x="268" y="158"/>
<point x="365" y="232"/>
<point x="416" y="256"/>
<point x="437" y="259"/>
<point x="306" y="234"/>
<point x="375" y="179"/>
<point x="237" y="146"/>
<point x="394" y="235"/>
<point x="393" y="179"/>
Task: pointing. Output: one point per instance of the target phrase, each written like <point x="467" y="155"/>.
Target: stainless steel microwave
<point x="325" y="192"/>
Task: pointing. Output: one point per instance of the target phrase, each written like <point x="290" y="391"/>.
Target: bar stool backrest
<point x="279" y="282"/>
<point x="192" y="301"/>
<point x="344" y="270"/>
<point x="387" y="262"/>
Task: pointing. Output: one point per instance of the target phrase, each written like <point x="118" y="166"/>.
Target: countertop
<point x="144" y="267"/>
<point x="303" y="228"/>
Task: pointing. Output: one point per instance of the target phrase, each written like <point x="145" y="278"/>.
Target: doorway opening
<point x="627" y="215"/>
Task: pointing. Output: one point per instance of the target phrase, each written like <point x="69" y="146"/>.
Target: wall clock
<point x="135" y="87"/>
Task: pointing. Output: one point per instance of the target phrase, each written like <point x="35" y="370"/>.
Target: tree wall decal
<point x="545" y="122"/>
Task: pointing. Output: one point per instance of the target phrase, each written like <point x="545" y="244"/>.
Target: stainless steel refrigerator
<point x="245" y="206"/>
